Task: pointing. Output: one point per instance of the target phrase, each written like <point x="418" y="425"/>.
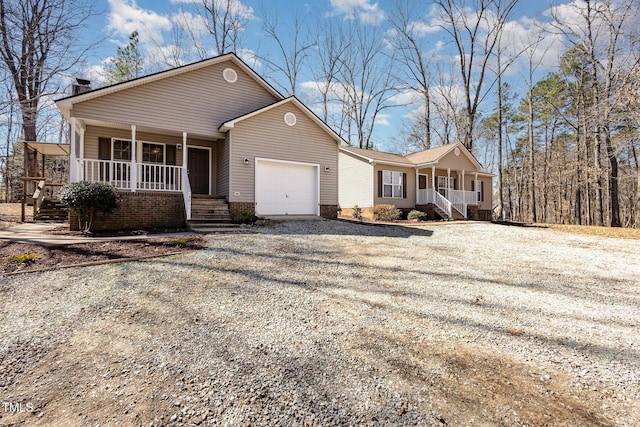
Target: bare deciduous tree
<point x="368" y="81"/>
<point x="224" y="20"/>
<point x="293" y="48"/>
<point x="39" y="42"/>
<point x="407" y="39"/>
<point x="475" y="27"/>
<point x="603" y="36"/>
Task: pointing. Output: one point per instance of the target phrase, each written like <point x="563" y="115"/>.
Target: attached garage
<point x="286" y="188"/>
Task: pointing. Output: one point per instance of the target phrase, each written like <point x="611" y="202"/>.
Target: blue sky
<point x="153" y="19"/>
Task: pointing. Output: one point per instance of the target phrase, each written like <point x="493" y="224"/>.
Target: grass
<point x="592" y="230"/>
<point x="181" y="242"/>
<point x="24" y="258"/>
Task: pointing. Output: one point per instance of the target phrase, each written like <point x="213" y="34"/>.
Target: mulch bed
<point x="52" y="257"/>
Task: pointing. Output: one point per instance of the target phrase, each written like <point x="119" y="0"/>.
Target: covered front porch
<point x="136" y="158"/>
<point x="451" y="191"/>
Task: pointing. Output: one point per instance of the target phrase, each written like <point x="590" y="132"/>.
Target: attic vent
<point x="230" y="75"/>
<point x="457" y="151"/>
<point x="290" y="119"/>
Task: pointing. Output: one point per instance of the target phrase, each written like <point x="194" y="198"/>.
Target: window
<point x="478" y="187"/>
<point x="392" y="184"/>
<point x="152" y="153"/>
<point x="121" y="149"/>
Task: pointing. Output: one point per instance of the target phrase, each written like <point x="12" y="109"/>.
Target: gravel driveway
<point x="333" y="323"/>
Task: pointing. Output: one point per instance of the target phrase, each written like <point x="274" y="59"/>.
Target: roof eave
<point x="99" y="92"/>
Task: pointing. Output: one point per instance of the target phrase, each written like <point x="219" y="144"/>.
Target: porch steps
<point x="210" y="214"/>
<point x="52" y="210"/>
<point x="454" y="213"/>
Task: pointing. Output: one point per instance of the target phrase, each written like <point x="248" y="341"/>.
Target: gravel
<point x="334" y="323"/>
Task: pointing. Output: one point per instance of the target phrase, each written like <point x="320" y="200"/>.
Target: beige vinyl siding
<point x="452" y="161"/>
<point x="409" y="201"/>
<point x="267" y="136"/>
<point x="355" y="182"/>
<point x="222" y="177"/>
<point x="196" y="102"/>
<point x="92" y="134"/>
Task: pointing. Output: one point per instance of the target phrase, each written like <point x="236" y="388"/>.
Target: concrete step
<point x="215" y="227"/>
<point x="211" y="218"/>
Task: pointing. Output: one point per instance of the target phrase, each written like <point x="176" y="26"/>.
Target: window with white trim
<point x="478" y="186"/>
<point x="152" y="153"/>
<point x="392" y="184"/>
<point x="121" y="149"/>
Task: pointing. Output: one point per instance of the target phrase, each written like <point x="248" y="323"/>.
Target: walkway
<point x="37" y="234"/>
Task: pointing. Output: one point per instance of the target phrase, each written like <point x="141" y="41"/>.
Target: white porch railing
<point x="441" y="202"/>
<point x="466" y="197"/>
<point x="118" y="173"/>
<point x="186" y="193"/>
<point x="159" y="177"/>
<point x="456" y="199"/>
<point x="425" y="196"/>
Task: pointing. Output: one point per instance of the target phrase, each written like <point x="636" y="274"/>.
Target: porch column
<point x="433" y="182"/>
<point x="417" y="189"/>
<point x="464" y="195"/>
<point x="184" y="150"/>
<point x="475" y="185"/>
<point x="448" y="181"/>
<point x="134" y="164"/>
<point x="73" y="161"/>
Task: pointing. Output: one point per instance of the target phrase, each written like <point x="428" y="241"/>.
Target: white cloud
<point x="406" y="97"/>
<point x="236" y="7"/>
<point x="382" y="119"/>
<point x="250" y="57"/>
<point x="126" y="17"/>
<point x="363" y="10"/>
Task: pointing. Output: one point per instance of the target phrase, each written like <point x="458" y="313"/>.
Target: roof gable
<point x="230" y="124"/>
<point x="430" y="156"/>
<point x="98" y="92"/>
<point x="195" y="98"/>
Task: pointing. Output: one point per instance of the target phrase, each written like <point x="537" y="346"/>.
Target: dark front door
<point x="198" y="170"/>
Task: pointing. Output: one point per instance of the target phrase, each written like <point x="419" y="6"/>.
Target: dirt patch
<point x="22" y="257"/>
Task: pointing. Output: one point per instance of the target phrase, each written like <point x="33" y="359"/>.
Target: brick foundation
<point x="329" y="211"/>
<point x="237" y="208"/>
<point x="479" y="214"/>
<point x="141" y="210"/>
<point x="432" y="215"/>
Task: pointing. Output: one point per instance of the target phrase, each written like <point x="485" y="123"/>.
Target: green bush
<point x="357" y="212"/>
<point x="415" y="215"/>
<point x="248" y="217"/>
<point x="86" y="199"/>
<point x="386" y="213"/>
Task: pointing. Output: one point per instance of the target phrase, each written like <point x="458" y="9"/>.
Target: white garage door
<point x="286" y="188"/>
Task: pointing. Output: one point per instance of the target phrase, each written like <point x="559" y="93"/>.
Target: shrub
<point x="248" y="217"/>
<point x="86" y="199"/>
<point x="386" y="213"/>
<point x="415" y="215"/>
<point x="357" y="212"/>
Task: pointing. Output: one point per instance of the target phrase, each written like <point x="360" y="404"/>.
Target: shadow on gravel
<point x="343" y="228"/>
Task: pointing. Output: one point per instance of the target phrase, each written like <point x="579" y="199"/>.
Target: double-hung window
<point x="152" y="153"/>
<point x="392" y="184"/>
<point x="121" y="149"/>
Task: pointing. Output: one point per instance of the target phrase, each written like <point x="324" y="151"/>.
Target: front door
<point x="198" y="169"/>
